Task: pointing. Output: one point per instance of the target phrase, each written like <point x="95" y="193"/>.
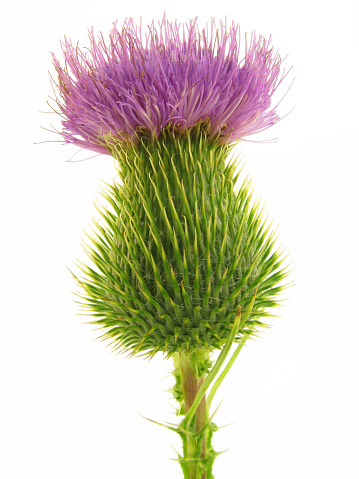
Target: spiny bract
<point x="180" y="249"/>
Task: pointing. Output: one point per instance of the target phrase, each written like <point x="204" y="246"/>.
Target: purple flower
<point x="172" y="75"/>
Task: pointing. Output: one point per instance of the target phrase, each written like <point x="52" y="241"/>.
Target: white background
<point x="69" y="407"/>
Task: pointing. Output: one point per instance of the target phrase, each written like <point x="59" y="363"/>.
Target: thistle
<point x="184" y="262"/>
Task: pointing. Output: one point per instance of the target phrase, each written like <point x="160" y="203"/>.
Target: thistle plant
<point x="183" y="262"/>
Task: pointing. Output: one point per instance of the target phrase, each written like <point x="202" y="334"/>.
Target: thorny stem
<point x="214" y="371"/>
<point x="192" y="382"/>
<point x="196" y="447"/>
<point x="198" y="455"/>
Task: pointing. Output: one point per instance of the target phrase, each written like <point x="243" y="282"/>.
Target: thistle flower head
<point x="171" y="75"/>
<point x="180" y="252"/>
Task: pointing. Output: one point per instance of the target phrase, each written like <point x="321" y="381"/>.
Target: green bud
<point x="180" y="250"/>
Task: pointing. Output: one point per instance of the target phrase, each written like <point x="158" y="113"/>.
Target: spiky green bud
<point x="180" y="250"/>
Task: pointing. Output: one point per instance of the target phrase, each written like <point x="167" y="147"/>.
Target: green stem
<point x="214" y="371"/>
<point x="234" y="356"/>
<point x="195" y="447"/>
<point x="223" y="374"/>
<point x="196" y="429"/>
